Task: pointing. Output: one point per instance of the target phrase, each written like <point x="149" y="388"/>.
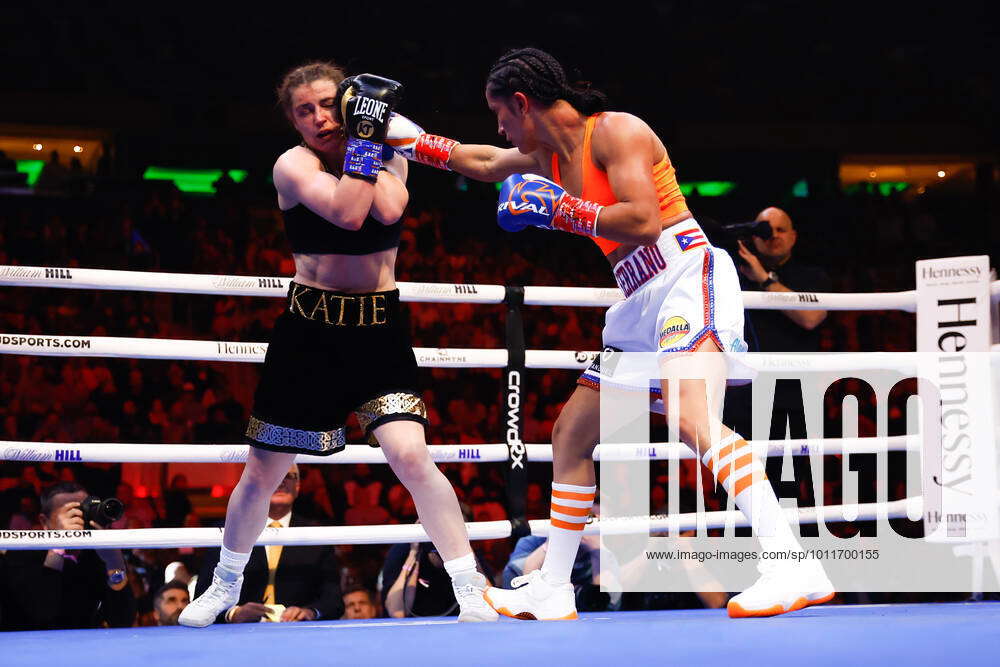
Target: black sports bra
<point x="308" y="233"/>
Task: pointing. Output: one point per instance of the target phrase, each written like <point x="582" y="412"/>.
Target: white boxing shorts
<point x="679" y="294"/>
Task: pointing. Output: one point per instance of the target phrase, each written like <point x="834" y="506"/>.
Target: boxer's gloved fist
<point x="366" y="103"/>
<point x="531" y="200"/>
<point x="409" y="140"/>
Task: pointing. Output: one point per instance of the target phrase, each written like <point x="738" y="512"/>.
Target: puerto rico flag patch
<point x="692" y="238"/>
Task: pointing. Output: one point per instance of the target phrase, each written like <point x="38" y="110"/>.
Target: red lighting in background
<point x="141" y="491"/>
<point x="217" y="491"/>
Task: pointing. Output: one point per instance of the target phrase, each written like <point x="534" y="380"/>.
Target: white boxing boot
<point x="533" y="598"/>
<point x="782" y="588"/>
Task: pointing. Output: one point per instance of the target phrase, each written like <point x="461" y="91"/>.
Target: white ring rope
<point x="590" y="296"/>
<point x="165" y="538"/>
<point x="114" y="452"/>
<point x="207" y="350"/>
<point x="196" y="283"/>
<point x="192" y="283"/>
<point x="427" y="357"/>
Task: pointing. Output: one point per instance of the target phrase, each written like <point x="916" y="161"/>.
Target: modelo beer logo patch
<point x="673" y="330"/>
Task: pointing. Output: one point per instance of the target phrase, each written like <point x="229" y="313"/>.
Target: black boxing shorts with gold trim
<point x="332" y="353"/>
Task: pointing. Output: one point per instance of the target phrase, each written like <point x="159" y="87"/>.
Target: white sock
<point x="463" y="565"/>
<point x="570" y="510"/>
<point x="231" y="564"/>
<point x="742" y="475"/>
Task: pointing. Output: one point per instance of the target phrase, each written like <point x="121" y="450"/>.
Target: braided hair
<point x="536" y="73"/>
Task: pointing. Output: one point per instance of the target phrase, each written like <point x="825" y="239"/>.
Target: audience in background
<point x="128" y="400"/>
<point x="283" y="584"/>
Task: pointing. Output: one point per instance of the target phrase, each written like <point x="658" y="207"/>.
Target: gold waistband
<point x="341" y="310"/>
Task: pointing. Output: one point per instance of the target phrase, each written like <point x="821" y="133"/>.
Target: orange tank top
<point x="596" y="187"/>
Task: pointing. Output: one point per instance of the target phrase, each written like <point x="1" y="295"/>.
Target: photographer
<point x="67" y="588"/>
<point x="771" y="267"/>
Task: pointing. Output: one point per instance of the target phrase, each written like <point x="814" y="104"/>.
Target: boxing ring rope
<point x="166" y="538"/>
<point x="427" y="357"/>
<point x="116" y="452"/>
<point x="515" y="359"/>
<point x="189" y="283"/>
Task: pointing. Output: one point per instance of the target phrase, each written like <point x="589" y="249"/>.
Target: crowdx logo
<point x="514" y="444"/>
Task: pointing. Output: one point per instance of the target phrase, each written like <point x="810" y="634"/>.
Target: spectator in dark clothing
<point x="65" y="588"/>
<point x="772" y="268"/>
<point x="170" y="601"/>
<point x="177" y="502"/>
<point x="283" y="583"/>
<point x="415" y="583"/>
<point x="359" y="603"/>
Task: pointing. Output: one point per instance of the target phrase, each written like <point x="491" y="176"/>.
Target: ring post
<point x="517" y="472"/>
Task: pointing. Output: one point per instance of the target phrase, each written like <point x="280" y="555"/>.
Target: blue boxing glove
<point x="529" y="200"/>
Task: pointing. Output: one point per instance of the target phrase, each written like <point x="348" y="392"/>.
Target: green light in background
<point x="707" y="188"/>
<point x="885" y="188"/>
<point x="889" y="187"/>
<point x="704" y="188"/>
<point x="192" y="180"/>
<point x="32" y="168"/>
<point x="801" y="188"/>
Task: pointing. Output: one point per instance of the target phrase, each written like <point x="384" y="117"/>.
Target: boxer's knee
<point x="572" y="437"/>
<point x="404" y="447"/>
<point x="412" y="463"/>
<point x="264" y="470"/>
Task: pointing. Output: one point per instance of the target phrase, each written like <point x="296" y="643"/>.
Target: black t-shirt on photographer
<point x="776" y="332"/>
<point x="35" y="597"/>
<point x="434" y="594"/>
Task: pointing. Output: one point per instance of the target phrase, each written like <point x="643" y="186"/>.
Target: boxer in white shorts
<point x="679" y="294"/>
<point x="606" y="175"/>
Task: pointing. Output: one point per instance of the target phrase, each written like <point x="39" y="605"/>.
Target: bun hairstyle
<point x="305" y="74"/>
<point x="539" y="75"/>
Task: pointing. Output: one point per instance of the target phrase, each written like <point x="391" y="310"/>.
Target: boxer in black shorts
<point x="342" y="345"/>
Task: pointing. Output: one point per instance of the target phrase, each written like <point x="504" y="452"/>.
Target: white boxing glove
<point x="409" y="140"/>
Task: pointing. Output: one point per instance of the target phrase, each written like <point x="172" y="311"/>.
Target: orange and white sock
<point x="570" y="510"/>
<point x="742" y="475"/>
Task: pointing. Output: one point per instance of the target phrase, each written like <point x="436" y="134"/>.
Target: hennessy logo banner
<point x="879" y="469"/>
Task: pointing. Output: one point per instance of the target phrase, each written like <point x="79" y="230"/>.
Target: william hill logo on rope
<point x="673" y="331"/>
<point x="58" y="274"/>
<point x="68" y="455"/>
<point x="469" y="454"/>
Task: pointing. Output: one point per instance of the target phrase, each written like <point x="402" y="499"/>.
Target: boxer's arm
<point x="623" y="146"/>
<point x="391" y="195"/>
<point x="476" y="161"/>
<point x="345" y="202"/>
<point x="490" y="163"/>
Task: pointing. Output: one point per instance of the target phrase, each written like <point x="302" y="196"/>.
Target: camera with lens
<point x="102" y="512"/>
<point x="728" y="237"/>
